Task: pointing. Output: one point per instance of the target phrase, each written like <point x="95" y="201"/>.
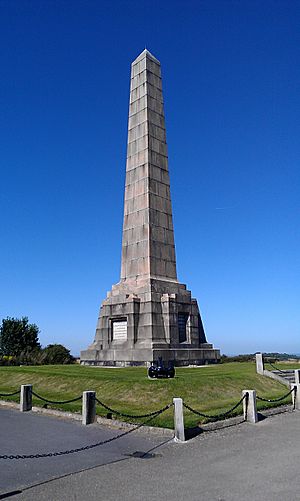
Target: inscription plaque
<point x="119" y="330"/>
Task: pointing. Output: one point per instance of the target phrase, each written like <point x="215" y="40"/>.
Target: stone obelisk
<point x="148" y="314"/>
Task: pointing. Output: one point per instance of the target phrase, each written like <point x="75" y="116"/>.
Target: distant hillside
<point x="251" y="356"/>
<point x="282" y="356"/>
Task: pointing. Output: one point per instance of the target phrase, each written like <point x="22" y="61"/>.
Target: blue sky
<point x="231" y="80"/>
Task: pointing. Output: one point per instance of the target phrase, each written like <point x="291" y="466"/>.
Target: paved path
<point x="242" y="463"/>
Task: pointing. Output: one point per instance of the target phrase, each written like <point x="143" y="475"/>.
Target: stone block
<point x="153" y="92"/>
<point x="154" y="79"/>
<point x="137" y="132"/>
<point x="157" y="146"/>
<point x="159" y="159"/>
<point x="157" y="132"/>
<point x="155" y="173"/>
<point x="160" y="204"/>
<point x="158" y="188"/>
<point x="139" y="79"/>
<point x="137" y="203"/>
<point x="137" y="118"/>
<point x="157" y="218"/>
<point x="134" y="172"/>
<point x="141" y="91"/>
<point x="157" y="107"/>
<point x="136" y="189"/>
<point x="155" y="117"/>
<point x="137" y="146"/>
<point x="138" y="66"/>
<point x="153" y="66"/>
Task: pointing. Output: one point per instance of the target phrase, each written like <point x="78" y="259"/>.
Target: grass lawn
<point x="212" y="389"/>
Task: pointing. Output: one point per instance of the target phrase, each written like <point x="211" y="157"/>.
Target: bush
<point x="56" y="354"/>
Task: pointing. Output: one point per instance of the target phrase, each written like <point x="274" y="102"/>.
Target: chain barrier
<point x="56" y="402"/>
<point x="138" y="416"/>
<point x="217" y="416"/>
<point x="274" y="367"/>
<point x="86" y="447"/>
<point x="9" y="394"/>
<point x="276" y="399"/>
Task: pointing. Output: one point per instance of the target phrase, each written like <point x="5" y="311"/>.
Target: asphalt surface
<point x="244" y="462"/>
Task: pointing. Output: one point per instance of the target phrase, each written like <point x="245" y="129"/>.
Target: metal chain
<point x="275" y="399"/>
<point x="139" y="416"/>
<point x="56" y="402"/>
<point x="216" y="416"/>
<point x="274" y="367"/>
<point x="86" y="447"/>
<point x="9" y="394"/>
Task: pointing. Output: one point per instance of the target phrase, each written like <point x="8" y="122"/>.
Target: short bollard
<point x="178" y="420"/>
<point x="297" y="376"/>
<point x="26" y="397"/>
<point x="88" y="407"/>
<point x="296" y="396"/>
<point x="249" y="406"/>
<point x="259" y="363"/>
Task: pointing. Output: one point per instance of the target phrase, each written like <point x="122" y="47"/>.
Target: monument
<point x="148" y="314"/>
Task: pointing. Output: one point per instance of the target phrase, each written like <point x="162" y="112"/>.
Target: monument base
<point x="158" y="320"/>
<point x="180" y="357"/>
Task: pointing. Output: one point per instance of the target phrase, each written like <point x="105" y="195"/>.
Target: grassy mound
<point x="211" y="389"/>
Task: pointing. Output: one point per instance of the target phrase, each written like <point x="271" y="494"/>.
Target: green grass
<point x="212" y="389"/>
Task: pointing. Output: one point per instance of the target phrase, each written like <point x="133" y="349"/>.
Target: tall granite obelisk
<point x="148" y="314"/>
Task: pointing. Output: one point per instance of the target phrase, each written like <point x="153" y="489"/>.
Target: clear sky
<point x="231" y="82"/>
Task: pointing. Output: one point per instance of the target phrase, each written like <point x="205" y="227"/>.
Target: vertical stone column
<point x="178" y="420"/>
<point x="26" y="397"/>
<point x="88" y="407"/>
<point x="249" y="406"/>
<point x="259" y="363"/>
<point x="297" y="377"/>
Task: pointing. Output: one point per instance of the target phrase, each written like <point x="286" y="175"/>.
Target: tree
<point x="56" y="354"/>
<point x="18" y="336"/>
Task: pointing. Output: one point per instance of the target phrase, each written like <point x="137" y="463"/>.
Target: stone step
<point x="288" y="375"/>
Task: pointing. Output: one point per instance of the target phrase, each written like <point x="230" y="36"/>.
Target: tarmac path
<point x="245" y="462"/>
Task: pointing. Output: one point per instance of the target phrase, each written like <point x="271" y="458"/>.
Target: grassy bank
<point x="210" y="389"/>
